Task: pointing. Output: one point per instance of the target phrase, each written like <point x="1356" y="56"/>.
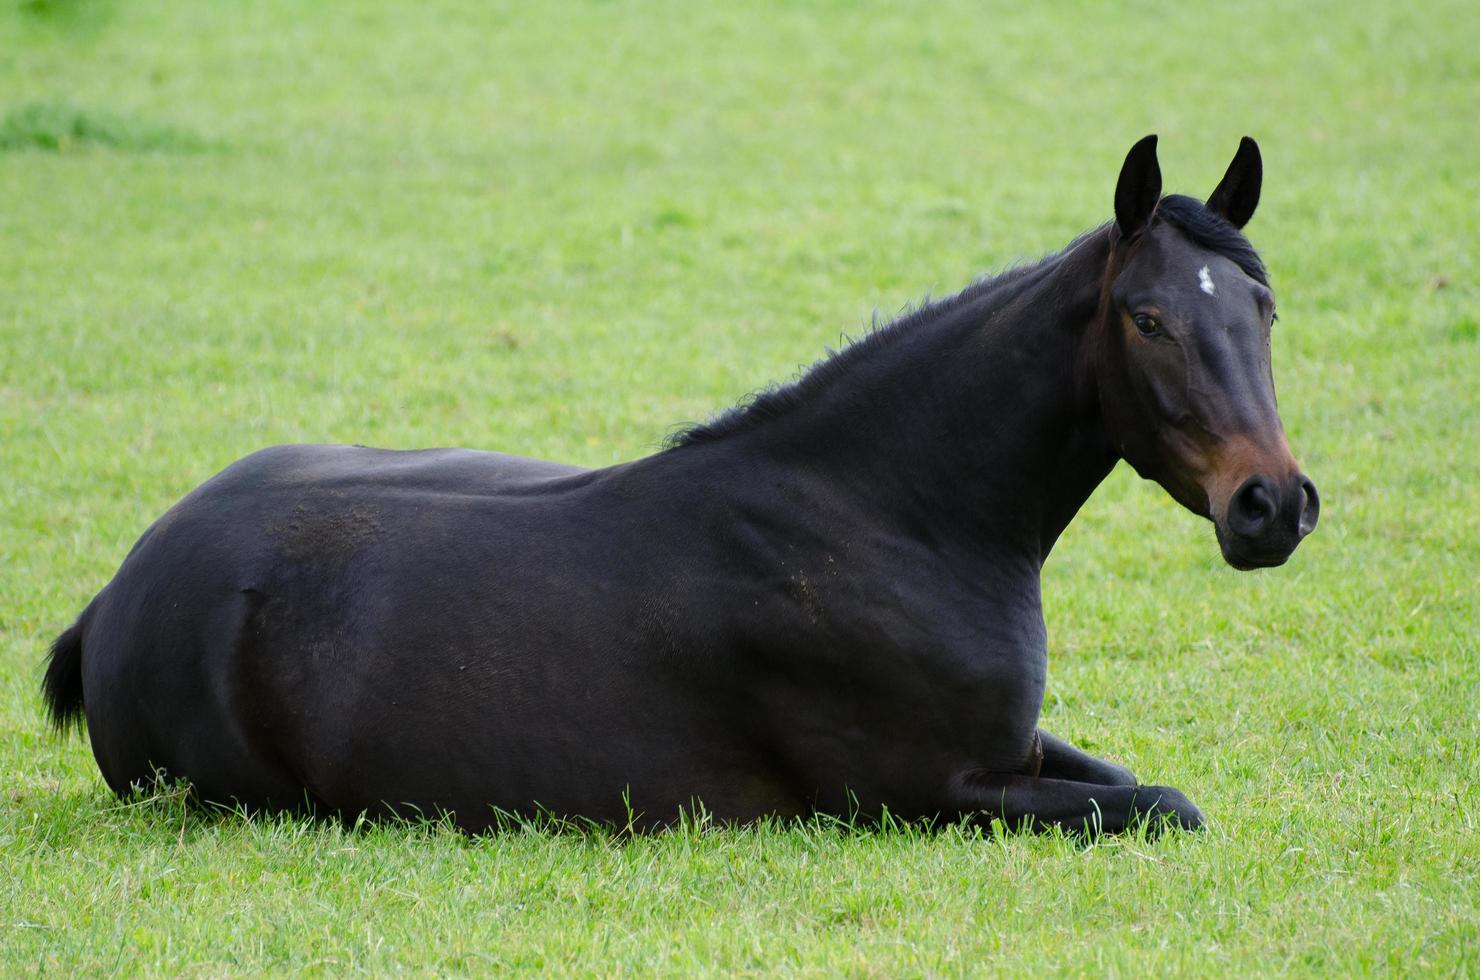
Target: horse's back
<point x="366" y="470"/>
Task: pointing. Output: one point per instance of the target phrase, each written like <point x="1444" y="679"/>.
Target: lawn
<point x="562" y="230"/>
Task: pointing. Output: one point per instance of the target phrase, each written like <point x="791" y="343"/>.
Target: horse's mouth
<point x="1247" y="563"/>
<point x="1249" y="559"/>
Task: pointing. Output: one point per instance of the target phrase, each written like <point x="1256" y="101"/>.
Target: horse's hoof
<point x="1163" y="807"/>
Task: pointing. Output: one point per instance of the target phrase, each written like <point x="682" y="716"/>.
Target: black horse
<point x="824" y="600"/>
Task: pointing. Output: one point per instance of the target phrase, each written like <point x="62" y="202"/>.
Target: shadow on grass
<point x="170" y="809"/>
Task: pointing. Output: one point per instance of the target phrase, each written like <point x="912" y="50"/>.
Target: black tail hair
<point x="62" y="688"/>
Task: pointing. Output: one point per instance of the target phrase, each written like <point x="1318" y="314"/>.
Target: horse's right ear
<point x="1138" y="189"/>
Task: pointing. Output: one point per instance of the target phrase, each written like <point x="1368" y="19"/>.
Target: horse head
<point x="1182" y="359"/>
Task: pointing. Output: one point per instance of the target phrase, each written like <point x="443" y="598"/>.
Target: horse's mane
<point x="1188" y="215"/>
<point x="1211" y="231"/>
<point x="768" y="403"/>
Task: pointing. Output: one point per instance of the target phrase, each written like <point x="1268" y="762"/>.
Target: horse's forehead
<point x="1190" y="269"/>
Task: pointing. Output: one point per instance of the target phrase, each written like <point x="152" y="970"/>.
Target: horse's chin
<point x="1246" y="560"/>
<point x="1249" y="564"/>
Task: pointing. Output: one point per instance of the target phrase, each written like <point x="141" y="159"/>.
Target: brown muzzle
<point x="1263" y="505"/>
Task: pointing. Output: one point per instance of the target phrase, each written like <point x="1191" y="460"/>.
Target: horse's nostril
<point x="1310" y="510"/>
<point x="1253" y="507"/>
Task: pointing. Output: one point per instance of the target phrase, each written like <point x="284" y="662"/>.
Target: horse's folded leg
<point x="1064" y="761"/>
<point x="1076" y="807"/>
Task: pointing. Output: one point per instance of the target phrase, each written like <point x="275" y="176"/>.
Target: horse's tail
<point x="62" y="687"/>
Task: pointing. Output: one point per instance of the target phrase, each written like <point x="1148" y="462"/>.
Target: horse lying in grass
<point x="825" y="600"/>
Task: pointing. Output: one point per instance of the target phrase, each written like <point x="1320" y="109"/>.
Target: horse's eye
<point x="1147" y="324"/>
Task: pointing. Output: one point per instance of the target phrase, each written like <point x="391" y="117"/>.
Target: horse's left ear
<point x="1238" y="192"/>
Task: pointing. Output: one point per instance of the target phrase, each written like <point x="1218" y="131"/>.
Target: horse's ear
<point x="1139" y="187"/>
<point x="1238" y="192"/>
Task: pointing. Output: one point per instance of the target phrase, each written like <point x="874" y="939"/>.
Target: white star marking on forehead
<point x="1206" y="281"/>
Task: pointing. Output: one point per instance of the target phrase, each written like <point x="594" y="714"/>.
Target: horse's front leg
<point x="1064" y="761"/>
<point x="1075" y="806"/>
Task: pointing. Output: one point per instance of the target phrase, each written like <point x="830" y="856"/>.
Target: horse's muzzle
<point x="1266" y="519"/>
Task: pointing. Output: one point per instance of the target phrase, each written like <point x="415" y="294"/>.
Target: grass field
<point x="562" y="229"/>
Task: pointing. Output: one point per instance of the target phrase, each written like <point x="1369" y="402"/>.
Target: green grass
<point x="560" y="230"/>
<point x="63" y="128"/>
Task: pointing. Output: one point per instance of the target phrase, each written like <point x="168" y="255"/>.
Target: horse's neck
<point x="980" y="423"/>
